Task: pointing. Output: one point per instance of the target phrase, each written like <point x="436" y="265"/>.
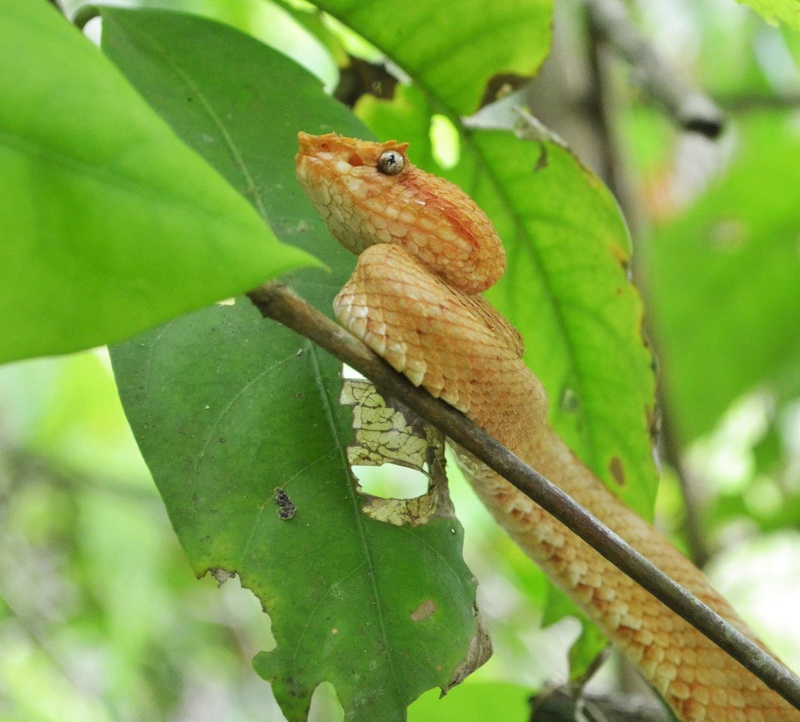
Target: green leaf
<point x="227" y="407"/>
<point x="725" y="278"/>
<point x="110" y="224"/>
<point x="566" y="287"/>
<point x="453" y="50"/>
<point x="475" y="703"/>
<point x="787" y="11"/>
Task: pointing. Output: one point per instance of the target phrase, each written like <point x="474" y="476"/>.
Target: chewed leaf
<point x="386" y="432"/>
<point x="480" y="649"/>
<point x="239" y="421"/>
<point x="485" y="45"/>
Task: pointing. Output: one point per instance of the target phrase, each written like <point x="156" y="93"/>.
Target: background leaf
<point x="110" y="224"/>
<point x="474" y="702"/>
<point x="788" y="11"/>
<point x="226" y="407"/>
<point x="725" y="283"/>
<point x="429" y="41"/>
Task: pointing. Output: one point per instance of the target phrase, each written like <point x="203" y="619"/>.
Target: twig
<point x="755" y="102"/>
<point x="692" y="109"/>
<point x="617" y="181"/>
<point x="692" y="500"/>
<point x="277" y="301"/>
<point x="598" y="112"/>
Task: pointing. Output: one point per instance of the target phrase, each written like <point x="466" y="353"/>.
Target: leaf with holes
<point x="239" y="420"/>
<point x="460" y="54"/>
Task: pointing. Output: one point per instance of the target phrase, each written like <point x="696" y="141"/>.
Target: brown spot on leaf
<point x="480" y="649"/>
<point x="653" y="416"/>
<point x="617" y="470"/>
<point x="621" y="255"/>
<point x="423" y="611"/>
<point x="543" y="159"/>
<point x="501" y="85"/>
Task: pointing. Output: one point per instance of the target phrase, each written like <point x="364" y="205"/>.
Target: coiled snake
<point x="426" y="252"/>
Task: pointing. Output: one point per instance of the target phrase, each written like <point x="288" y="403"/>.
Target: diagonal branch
<point x="689" y="107"/>
<point x="275" y="300"/>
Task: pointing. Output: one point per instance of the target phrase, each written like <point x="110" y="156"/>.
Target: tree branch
<point x="277" y="301"/>
<point x="691" y="109"/>
<point x="755" y="102"/>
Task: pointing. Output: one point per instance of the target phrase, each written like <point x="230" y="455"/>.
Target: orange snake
<point x="426" y="253"/>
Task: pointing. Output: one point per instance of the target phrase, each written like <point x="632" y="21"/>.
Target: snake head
<point x="370" y="193"/>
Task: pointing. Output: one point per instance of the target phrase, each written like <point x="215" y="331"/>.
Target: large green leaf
<point x="226" y="407"/>
<point x="453" y="50"/>
<point x="475" y="702"/>
<point x="567" y="290"/>
<point x="109" y="223"/>
<point x="725" y="279"/>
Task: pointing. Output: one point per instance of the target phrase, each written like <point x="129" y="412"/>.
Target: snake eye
<point x="390" y="162"/>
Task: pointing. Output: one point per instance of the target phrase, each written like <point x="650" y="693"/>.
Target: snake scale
<point x="426" y="252"/>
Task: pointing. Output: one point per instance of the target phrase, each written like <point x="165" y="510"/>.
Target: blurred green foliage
<point x="100" y="615"/>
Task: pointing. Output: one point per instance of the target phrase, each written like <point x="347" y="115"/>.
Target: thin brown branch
<point x="691" y="108"/>
<point x="692" y="502"/>
<point x="598" y="112"/>
<point x="757" y="102"/>
<point x="601" y="107"/>
<point x="277" y="301"/>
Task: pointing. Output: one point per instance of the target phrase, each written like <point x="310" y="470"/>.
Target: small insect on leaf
<point x="286" y="507"/>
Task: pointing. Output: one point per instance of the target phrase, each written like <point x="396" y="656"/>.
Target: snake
<point x="426" y="253"/>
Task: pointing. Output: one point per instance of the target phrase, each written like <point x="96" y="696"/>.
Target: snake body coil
<point x="426" y="253"/>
